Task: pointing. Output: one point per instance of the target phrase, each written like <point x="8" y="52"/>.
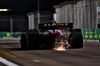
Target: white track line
<point x="36" y="61"/>
<point x="6" y="62"/>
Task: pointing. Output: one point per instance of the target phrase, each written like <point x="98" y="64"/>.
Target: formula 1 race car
<point x="52" y="35"/>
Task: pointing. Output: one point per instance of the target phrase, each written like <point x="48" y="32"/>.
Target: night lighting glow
<point x="4" y="9"/>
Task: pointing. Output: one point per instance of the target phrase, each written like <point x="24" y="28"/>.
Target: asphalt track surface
<point x="89" y="55"/>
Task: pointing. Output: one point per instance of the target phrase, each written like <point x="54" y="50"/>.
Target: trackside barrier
<point x="88" y="34"/>
<point x="91" y="35"/>
<point x="10" y="37"/>
<point x="10" y="34"/>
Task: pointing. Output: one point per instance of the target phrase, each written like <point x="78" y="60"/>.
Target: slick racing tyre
<point x="49" y="41"/>
<point x="33" y="40"/>
<point x="23" y="41"/>
<point x="76" y="38"/>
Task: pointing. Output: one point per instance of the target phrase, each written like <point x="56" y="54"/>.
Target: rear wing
<point x="47" y="26"/>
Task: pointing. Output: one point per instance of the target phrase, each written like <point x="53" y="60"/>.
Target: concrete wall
<point x="64" y="14"/>
<point x="69" y="13"/>
<point x="58" y="14"/>
<point x="98" y="14"/>
<point x="83" y="14"/>
<point x="33" y="18"/>
<point x="31" y="21"/>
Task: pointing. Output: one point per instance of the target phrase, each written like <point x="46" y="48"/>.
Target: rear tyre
<point x="33" y="40"/>
<point x="23" y="41"/>
<point x="48" y="41"/>
<point x="76" y="38"/>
